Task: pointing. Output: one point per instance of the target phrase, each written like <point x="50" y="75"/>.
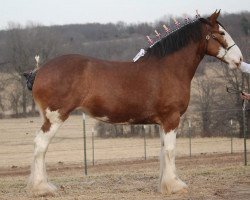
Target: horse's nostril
<point x="238" y="64"/>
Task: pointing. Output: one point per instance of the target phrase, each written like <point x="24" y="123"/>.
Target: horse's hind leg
<point x="38" y="182"/>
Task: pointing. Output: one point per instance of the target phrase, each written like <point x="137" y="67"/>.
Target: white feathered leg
<point x="38" y="182"/>
<point x="169" y="182"/>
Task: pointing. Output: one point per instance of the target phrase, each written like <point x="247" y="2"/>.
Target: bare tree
<point x="2" y="86"/>
<point x="22" y="45"/>
<point x="232" y="103"/>
<point x="204" y="98"/>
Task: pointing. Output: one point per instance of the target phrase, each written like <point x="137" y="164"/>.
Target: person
<point x="245" y="67"/>
<point x="245" y="96"/>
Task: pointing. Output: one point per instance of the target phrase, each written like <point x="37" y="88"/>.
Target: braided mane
<point x="177" y="39"/>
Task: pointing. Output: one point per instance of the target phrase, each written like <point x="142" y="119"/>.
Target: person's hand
<point x="245" y="96"/>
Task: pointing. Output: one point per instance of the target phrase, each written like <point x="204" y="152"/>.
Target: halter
<point x="227" y="49"/>
<point x="214" y="37"/>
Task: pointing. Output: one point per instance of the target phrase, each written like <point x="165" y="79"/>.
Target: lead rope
<point x="244" y="104"/>
<point x="236" y="91"/>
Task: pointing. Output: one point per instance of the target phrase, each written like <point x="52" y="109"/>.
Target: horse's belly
<point x="127" y="116"/>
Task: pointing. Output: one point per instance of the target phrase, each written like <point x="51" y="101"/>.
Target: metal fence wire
<point x="77" y="134"/>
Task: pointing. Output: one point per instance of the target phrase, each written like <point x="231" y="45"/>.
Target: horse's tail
<point x="30" y="75"/>
<point x="30" y="78"/>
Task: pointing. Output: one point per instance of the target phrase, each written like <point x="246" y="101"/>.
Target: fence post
<point x="145" y="144"/>
<point x="244" y="131"/>
<point x="84" y="141"/>
<point x="231" y="122"/>
<point x="93" y="148"/>
<point x="190" y="132"/>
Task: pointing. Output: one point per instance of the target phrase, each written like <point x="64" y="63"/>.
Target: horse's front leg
<point x="169" y="181"/>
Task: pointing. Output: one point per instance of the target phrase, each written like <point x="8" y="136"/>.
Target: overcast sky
<point x="51" y="12"/>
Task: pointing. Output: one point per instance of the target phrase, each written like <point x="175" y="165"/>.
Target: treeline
<point x="119" y="41"/>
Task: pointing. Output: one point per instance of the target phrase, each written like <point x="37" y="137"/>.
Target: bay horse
<point x="153" y="90"/>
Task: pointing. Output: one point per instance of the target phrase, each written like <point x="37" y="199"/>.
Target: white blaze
<point x="233" y="56"/>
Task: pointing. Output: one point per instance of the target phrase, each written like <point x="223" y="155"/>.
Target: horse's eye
<point x="222" y="33"/>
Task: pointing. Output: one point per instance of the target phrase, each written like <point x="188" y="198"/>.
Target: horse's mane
<point x="177" y="39"/>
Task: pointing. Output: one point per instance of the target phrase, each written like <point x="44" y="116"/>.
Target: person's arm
<point x="245" y="67"/>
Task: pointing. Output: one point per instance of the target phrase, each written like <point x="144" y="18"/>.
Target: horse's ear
<point x="213" y="17"/>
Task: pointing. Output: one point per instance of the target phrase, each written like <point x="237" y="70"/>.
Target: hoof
<point x="43" y="189"/>
<point x="173" y="186"/>
<point x="183" y="191"/>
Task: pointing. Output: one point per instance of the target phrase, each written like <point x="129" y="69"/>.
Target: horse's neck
<point x="185" y="62"/>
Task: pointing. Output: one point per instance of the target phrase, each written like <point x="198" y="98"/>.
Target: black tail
<point x="30" y="78"/>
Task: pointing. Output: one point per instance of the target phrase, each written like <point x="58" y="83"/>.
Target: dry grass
<point x="120" y="172"/>
<point x="208" y="176"/>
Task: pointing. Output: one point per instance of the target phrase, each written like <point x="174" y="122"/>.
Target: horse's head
<point x="220" y="44"/>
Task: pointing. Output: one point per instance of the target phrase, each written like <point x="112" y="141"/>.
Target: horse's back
<point x="62" y="63"/>
<point x="69" y="78"/>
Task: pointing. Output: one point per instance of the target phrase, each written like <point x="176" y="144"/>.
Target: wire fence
<point x="17" y="135"/>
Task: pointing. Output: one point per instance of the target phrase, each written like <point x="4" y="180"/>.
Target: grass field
<point x="120" y="171"/>
<point x="208" y="177"/>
